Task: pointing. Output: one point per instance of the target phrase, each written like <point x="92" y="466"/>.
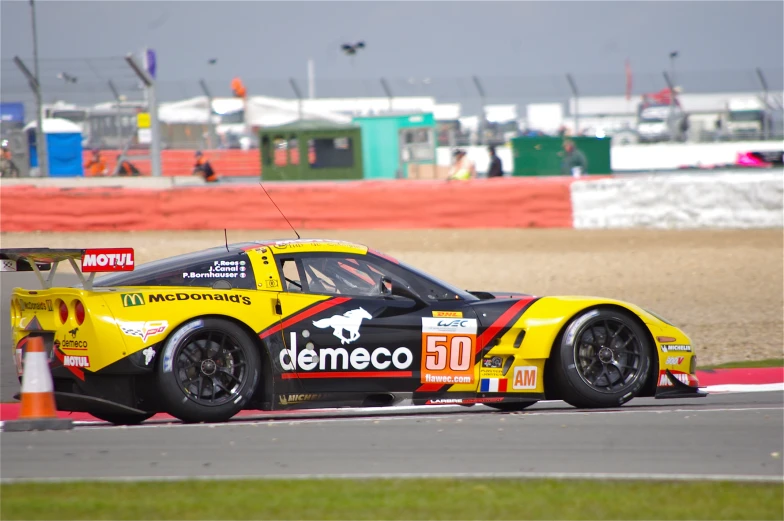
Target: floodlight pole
<point x="155" y="145"/>
<point x="210" y="124"/>
<point x="576" y="94"/>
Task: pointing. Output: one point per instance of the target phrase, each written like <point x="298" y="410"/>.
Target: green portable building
<point x="543" y="155"/>
<point x="391" y="143"/>
<point x="311" y="150"/>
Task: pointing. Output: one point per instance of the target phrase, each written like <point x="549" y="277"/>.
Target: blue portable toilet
<point x="63" y="144"/>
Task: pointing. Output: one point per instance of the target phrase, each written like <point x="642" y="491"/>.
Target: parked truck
<point x="745" y="118"/>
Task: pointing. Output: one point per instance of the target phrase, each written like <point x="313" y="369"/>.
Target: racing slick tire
<point x="123" y="419"/>
<point x="602" y="359"/>
<point x="208" y="370"/>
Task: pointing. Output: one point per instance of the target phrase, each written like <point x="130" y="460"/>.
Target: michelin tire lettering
<point x="173" y="340"/>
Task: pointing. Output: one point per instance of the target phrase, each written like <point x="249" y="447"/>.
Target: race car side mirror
<point x="399" y="290"/>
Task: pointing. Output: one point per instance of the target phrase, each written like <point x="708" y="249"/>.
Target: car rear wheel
<point x="122" y="419"/>
<point x="602" y="359"/>
<point x="208" y="371"/>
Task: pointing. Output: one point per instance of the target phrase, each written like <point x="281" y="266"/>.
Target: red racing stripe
<point x="309" y="312"/>
<point x="501" y="323"/>
<point x="349" y="374"/>
<point x="485" y="337"/>
<point x="76" y="371"/>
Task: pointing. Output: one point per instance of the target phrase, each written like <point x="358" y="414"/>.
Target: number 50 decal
<point x="448" y="350"/>
<point x="456" y="350"/>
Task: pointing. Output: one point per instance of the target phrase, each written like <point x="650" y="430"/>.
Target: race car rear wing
<point x="93" y="261"/>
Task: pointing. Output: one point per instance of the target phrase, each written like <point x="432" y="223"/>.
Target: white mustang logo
<point x="348" y="321"/>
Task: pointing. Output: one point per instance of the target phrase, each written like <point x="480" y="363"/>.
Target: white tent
<point x="261" y="111"/>
<point x="56" y="126"/>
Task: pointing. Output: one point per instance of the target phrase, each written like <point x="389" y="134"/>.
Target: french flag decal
<point x="492" y="385"/>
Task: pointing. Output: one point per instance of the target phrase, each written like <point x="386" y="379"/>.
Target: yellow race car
<point x="324" y="323"/>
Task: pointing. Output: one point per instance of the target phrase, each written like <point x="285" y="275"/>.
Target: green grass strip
<point x="393" y="499"/>
<point x="745" y="364"/>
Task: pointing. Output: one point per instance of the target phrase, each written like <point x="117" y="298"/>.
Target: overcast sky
<point x="273" y="40"/>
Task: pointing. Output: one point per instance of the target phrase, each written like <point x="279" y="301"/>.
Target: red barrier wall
<point x="234" y="163"/>
<point x="481" y="203"/>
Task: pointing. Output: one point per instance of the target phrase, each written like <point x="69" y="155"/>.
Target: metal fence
<point x="88" y="81"/>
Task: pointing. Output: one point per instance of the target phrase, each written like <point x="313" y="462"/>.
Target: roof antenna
<point x="226" y="239"/>
<point x="276" y="206"/>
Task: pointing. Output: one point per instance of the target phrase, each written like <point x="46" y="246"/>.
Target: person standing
<point x="495" y="169"/>
<point x="574" y="162"/>
<point x="463" y="168"/>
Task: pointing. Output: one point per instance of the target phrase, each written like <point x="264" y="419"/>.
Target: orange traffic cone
<point x="38" y="411"/>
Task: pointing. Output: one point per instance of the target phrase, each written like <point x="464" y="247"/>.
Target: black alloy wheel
<point x="208" y="371"/>
<point x="602" y="360"/>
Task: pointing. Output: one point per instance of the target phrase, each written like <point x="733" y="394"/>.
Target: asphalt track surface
<point x="723" y="436"/>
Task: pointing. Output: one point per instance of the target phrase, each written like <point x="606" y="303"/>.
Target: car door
<point x="346" y="330"/>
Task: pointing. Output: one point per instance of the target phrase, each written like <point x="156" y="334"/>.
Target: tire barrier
<point x="400" y="204"/>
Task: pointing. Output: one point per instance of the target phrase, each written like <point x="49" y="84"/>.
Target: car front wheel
<point x="208" y="370"/>
<point x="602" y="360"/>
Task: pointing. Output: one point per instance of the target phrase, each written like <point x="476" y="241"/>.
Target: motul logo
<point x="111" y="259"/>
<point x="76" y="361"/>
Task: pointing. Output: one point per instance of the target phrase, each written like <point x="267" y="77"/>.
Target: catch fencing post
<point x="299" y="97"/>
<point x="765" y="117"/>
<point x="671" y="122"/>
<point x="149" y="84"/>
<point x="40" y="137"/>
<point x="388" y="92"/>
<point x="482" y="115"/>
<point x="210" y="124"/>
<point x="576" y="95"/>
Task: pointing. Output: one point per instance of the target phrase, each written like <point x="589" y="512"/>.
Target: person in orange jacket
<point x="95" y="167"/>
<point x="204" y="168"/>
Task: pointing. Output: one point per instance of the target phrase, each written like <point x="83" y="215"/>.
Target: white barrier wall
<point x="671" y="156"/>
<point x="730" y="200"/>
<point x="655" y="156"/>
